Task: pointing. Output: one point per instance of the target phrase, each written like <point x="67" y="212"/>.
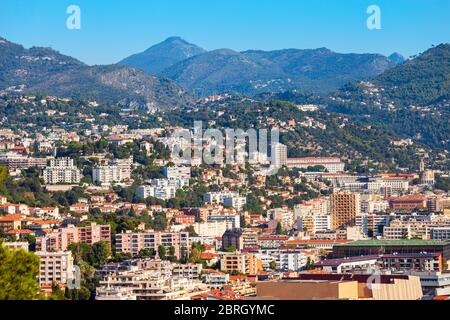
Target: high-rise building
<point x="344" y="209"/>
<point x="279" y="155"/>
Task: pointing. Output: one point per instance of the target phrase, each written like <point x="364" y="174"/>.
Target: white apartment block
<point x="148" y="285"/>
<point x="62" y="163"/>
<point x="396" y="232"/>
<point x="217" y="280"/>
<point x="177" y="173"/>
<point x="291" y="260"/>
<point x="318" y="206"/>
<point x="16" y="245"/>
<point x="189" y="271"/>
<point x="374" y="206"/>
<point x="314" y="223"/>
<point x="233" y="220"/>
<point x="212" y="228"/>
<point x="107" y="175"/>
<point x="55" y="267"/>
<point x="61" y="170"/>
<point x="228" y="199"/>
<point x="162" y="192"/>
<point x="279" y="155"/>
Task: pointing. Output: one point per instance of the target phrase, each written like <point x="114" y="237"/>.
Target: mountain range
<point x="173" y="73"/>
<point x="256" y="71"/>
<point x="44" y="70"/>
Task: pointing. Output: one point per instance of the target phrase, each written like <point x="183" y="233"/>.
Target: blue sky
<point x="114" y="29"/>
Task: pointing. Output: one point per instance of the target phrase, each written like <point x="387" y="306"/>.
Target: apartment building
<point x="407" y="204"/>
<point x="314" y="224"/>
<point x="212" y="228"/>
<point x="279" y="155"/>
<point x="61" y="171"/>
<point x="239" y="239"/>
<point x="291" y="260"/>
<point x="174" y="173"/>
<point x="124" y="166"/>
<point x="107" y="175"/>
<point x="132" y="242"/>
<point x="372" y="225"/>
<point x="318" y="206"/>
<point x="440" y="233"/>
<point x="284" y="216"/>
<point x="148" y="285"/>
<point x="60" y="239"/>
<point x="55" y="267"/>
<point x="15" y="161"/>
<point x="345" y="207"/>
<point x="232" y="220"/>
<point x="189" y="271"/>
<point x="161" y="192"/>
<point x="228" y="199"/>
<point x="216" y="280"/>
<point x="241" y="263"/>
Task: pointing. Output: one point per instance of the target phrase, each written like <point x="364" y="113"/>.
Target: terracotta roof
<point x="12" y="217"/>
<point x="19" y="231"/>
<point x="208" y="255"/>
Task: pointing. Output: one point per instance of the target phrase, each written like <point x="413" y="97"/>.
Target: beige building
<point x="344" y="209"/>
<point x="406" y="288"/>
<point x="242" y="263"/>
<point x="55" y="267"/>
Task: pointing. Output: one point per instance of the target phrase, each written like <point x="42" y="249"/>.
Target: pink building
<point x="60" y="239"/>
<point x="131" y="242"/>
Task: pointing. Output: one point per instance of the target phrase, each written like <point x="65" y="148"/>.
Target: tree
<point x="147" y="253"/>
<point x="159" y="223"/>
<point x="57" y="293"/>
<point x="3" y="178"/>
<point x="100" y="253"/>
<point x="161" y="252"/>
<point x="231" y="249"/>
<point x="279" y="229"/>
<point x="172" y="251"/>
<point x="18" y="274"/>
<point x="309" y="264"/>
<point x="273" y="265"/>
